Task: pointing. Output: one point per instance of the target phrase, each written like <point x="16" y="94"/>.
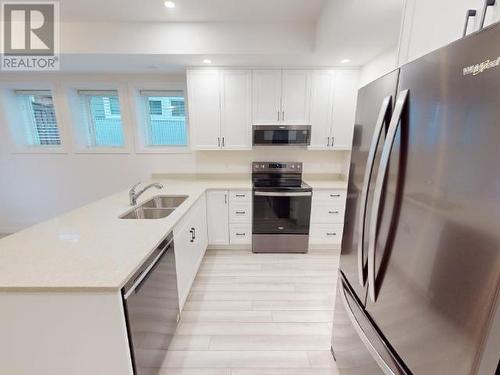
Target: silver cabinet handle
<point x="470" y="13"/>
<point x="331" y="234"/>
<point x="283" y="116"/>
<point x="334" y="195"/>
<point x="218" y="141"/>
<point x="382" y="118"/>
<point x="240" y="234"/>
<point x="333" y="212"/>
<point x="271" y="194"/>
<point x="225" y="198"/>
<point x="379" y="182"/>
<point x="240" y="195"/>
<point x="223" y="142"/>
<point x="278" y="115"/>
<point x="192" y="231"/>
<point x="240" y="212"/>
<point x="328" y="142"/>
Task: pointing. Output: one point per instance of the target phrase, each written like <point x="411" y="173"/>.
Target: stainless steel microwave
<point x="281" y="135"/>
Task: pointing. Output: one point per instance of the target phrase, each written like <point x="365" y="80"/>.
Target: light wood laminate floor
<point x="257" y="314"/>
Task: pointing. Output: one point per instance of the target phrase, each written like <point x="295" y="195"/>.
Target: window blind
<point x="40" y="117"/>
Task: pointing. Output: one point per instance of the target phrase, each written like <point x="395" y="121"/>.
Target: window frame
<point x="81" y="118"/>
<point x="11" y="115"/>
<point x="143" y="121"/>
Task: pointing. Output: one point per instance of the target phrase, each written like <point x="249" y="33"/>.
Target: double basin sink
<point x="156" y="208"/>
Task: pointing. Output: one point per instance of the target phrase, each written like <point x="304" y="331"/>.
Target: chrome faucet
<point x="133" y="195"/>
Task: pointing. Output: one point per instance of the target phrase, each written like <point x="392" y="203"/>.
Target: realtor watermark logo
<point x="30" y="36"/>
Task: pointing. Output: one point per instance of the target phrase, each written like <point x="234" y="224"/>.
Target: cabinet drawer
<point x="334" y="196"/>
<point x="326" y="233"/>
<point x="326" y="213"/>
<point x="240" y="196"/>
<point x="240" y="234"/>
<point x="240" y="212"/>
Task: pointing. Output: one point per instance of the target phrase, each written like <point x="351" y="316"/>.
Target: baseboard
<point x="230" y="247"/>
<point x="321" y="246"/>
<point x="335" y="247"/>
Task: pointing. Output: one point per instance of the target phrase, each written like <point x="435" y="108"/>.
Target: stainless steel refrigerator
<point x="419" y="276"/>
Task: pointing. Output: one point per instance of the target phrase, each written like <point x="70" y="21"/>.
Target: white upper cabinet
<point x="295" y="97"/>
<point x="430" y="24"/>
<point x="267" y="86"/>
<point x="220" y="109"/>
<point x="281" y="97"/>
<point x="204" y="108"/>
<point x="322" y="95"/>
<point x="344" y="109"/>
<point x="223" y="105"/>
<point x="236" y="109"/>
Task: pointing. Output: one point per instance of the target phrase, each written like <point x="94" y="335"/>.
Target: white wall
<point x="380" y="65"/>
<point x="35" y="187"/>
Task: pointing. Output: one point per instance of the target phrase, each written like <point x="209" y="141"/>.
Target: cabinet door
<point x="322" y="90"/>
<point x="344" y="108"/>
<point x="204" y="109"/>
<point x="201" y="234"/>
<point x="184" y="250"/>
<point x="218" y="217"/>
<point x="236" y="109"/>
<point x="430" y="25"/>
<point x="296" y="97"/>
<point x="266" y="97"/>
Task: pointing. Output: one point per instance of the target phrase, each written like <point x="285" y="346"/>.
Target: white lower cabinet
<point x="327" y="217"/>
<point x="326" y="234"/>
<point x="240" y="217"/>
<point x="190" y="243"/>
<point x="240" y="234"/>
<point x="218" y="217"/>
<point x="229" y="215"/>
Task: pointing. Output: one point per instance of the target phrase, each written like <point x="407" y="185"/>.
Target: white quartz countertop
<point x="91" y="249"/>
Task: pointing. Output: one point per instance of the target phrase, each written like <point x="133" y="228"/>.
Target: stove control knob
<point x="293" y="166"/>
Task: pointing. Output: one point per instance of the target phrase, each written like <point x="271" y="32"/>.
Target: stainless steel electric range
<point x="281" y="208"/>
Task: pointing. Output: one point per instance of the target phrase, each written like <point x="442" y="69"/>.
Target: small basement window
<point x="165" y="118"/>
<point x="38" y="118"/>
<point x="102" y="115"/>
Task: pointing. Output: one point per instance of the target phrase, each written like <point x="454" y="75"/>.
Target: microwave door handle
<point x="379" y="128"/>
<point x="377" y="193"/>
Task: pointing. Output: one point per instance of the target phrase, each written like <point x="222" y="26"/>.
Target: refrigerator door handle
<point x="379" y="127"/>
<point x="366" y="341"/>
<point x="379" y="182"/>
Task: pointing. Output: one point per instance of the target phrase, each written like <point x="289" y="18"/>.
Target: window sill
<point x="103" y="150"/>
<point x="39" y="150"/>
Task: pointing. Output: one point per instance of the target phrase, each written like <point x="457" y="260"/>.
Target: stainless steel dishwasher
<point x="152" y="308"/>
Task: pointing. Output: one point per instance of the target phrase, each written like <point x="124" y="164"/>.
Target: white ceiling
<point x="254" y="11"/>
<point x="137" y="36"/>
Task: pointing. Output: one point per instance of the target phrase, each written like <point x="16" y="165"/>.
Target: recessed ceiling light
<point x="345" y="61"/>
<point x="169" y="4"/>
<point x="207" y="61"/>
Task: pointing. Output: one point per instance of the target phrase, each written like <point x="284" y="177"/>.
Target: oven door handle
<point x="281" y="194"/>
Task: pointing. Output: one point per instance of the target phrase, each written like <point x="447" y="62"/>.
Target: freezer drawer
<point x="356" y="344"/>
